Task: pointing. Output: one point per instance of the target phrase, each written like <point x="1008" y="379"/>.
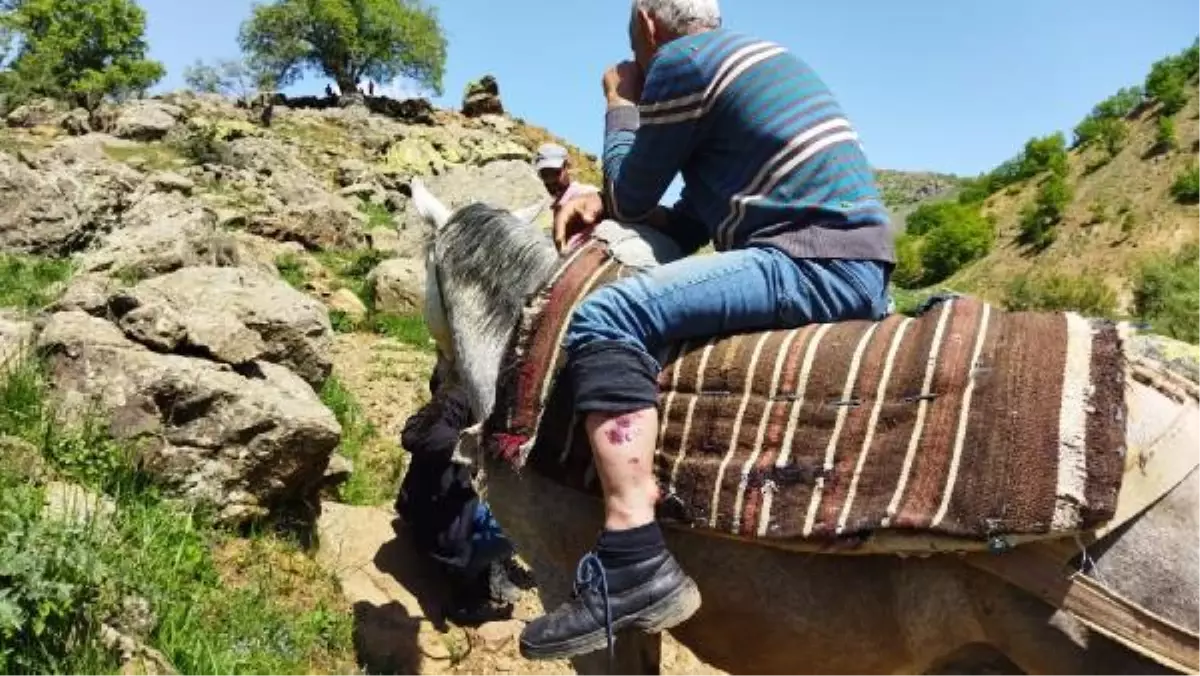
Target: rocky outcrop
<point x="147" y="120"/>
<point x="242" y="440"/>
<point x="42" y="112"/>
<point x="56" y="203"/>
<point x="482" y="98"/>
<point x="231" y="315"/>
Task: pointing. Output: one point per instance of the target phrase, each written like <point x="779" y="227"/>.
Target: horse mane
<point x="493" y="260"/>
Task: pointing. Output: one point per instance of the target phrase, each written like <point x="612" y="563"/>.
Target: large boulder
<point x="41" y="112"/>
<point x="242" y="441"/>
<point x="326" y="222"/>
<point x="164" y="231"/>
<point x="482" y="98"/>
<point x="147" y="120"/>
<point x="60" y="201"/>
<point x="398" y="286"/>
<point x="232" y="315"/>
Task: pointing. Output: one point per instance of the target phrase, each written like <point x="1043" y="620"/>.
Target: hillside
<point x="1121" y="212"/>
<point x="903" y="190"/>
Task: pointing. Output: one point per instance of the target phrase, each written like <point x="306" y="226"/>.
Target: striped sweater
<point x="767" y="156"/>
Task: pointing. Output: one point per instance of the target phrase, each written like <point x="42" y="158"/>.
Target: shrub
<point x="1165" y="138"/>
<point x="1111" y="134"/>
<point x="1055" y="292"/>
<point x="1186" y="188"/>
<point x="203" y="145"/>
<point x="1168" y="79"/>
<point x="954" y="244"/>
<point x="1039" y="219"/>
<point x="909" y="273"/>
<point x="1166" y="294"/>
<point x="1114" y="108"/>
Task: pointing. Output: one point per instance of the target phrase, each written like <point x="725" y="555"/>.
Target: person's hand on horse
<point x="623" y="83"/>
<point x="577" y="215"/>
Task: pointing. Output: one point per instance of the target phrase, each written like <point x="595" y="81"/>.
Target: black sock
<point x="618" y="548"/>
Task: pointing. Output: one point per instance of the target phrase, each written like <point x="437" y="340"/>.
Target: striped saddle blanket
<point x="967" y="427"/>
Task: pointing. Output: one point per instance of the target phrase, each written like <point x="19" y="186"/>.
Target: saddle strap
<point x="1038" y="571"/>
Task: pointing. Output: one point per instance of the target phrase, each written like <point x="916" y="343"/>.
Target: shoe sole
<point x="669" y="612"/>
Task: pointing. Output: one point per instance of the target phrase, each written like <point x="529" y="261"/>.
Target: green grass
<point x="1059" y="292"/>
<point x="407" y="329"/>
<point x="377" y="215"/>
<point x="375" y="475"/>
<point x="291" y="269"/>
<point x="152" y="156"/>
<point x="351" y="267"/>
<point x="222" y="604"/>
<point x="29" y="282"/>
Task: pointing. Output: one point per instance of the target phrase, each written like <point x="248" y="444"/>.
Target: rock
<point x="74" y="503"/>
<point x="339" y="470"/>
<point x="87" y="292"/>
<point x="1177" y="356"/>
<point x="497" y="635"/>
<point x="240" y="441"/>
<point x="482" y="98"/>
<point x="351" y="172"/>
<point x="77" y="122"/>
<point x="485" y="151"/>
<point x="231" y="315"/>
<point x="164" y="231"/>
<point x="414" y="157"/>
<point x="146" y="120"/>
<point x="23" y="460"/>
<point x="362" y="191"/>
<point x="329" y="222"/>
<point x="348" y="303"/>
<point x="60" y="201"/>
<point x="383" y="239"/>
<point x="137" y="658"/>
<point x="36" y="113"/>
<point x="169" y="181"/>
<point x="500" y="123"/>
<point x="136" y="618"/>
<point x="398" y="286"/>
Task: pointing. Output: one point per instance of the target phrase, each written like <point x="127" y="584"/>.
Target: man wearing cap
<point x="553" y="166"/>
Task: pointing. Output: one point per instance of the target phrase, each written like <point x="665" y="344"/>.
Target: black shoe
<point x="652" y="596"/>
<point x="500" y="586"/>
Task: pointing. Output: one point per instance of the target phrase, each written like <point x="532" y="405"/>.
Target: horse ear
<point x="530" y="212"/>
<point x="431" y="209"/>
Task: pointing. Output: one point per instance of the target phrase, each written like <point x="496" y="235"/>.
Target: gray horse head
<point x="482" y="262"/>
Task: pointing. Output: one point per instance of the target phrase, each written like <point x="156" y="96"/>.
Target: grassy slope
<point x="1121" y="213"/>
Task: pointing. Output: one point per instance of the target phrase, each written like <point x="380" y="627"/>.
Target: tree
<point x="231" y="77"/>
<point x="1165" y="139"/>
<point x="909" y="272"/>
<point x="1038" y="220"/>
<point x="1112" y="132"/>
<point x="1048" y="153"/>
<point x="80" y="50"/>
<point x="966" y="237"/>
<point x="1169" y="77"/>
<point x="346" y="40"/>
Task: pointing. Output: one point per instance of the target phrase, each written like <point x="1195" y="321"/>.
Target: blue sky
<point x="944" y="85"/>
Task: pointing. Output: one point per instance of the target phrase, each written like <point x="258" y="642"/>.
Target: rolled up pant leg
<point x="616" y="337"/>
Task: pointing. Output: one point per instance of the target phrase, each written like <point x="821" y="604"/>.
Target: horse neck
<point x="483" y="300"/>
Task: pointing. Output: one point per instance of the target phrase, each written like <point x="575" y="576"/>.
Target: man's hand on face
<point x="623" y="83"/>
<point x="576" y="215"/>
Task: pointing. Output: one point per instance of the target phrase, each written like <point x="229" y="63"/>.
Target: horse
<point x="765" y="609"/>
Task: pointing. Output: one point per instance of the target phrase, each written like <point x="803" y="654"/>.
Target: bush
<point x="1039" y="219"/>
<point x="1111" y="134"/>
<point x="1186" y="188"/>
<point x="1168" y="79"/>
<point x="1054" y="292"/>
<point x="1166" y="294"/>
<point x="1114" y="108"/>
<point x="954" y="244"/>
<point x="909" y="273"/>
<point x="1048" y="153"/>
<point x="1165" y="139"/>
<point x="203" y="145"/>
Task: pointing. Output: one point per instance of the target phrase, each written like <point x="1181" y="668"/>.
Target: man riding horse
<point x="776" y="179"/>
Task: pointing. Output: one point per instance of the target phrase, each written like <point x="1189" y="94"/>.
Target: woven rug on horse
<point x="967" y="422"/>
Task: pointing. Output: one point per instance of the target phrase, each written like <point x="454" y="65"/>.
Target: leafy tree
<point x="231" y="77"/>
<point x="1048" y="153"/>
<point x="1112" y="133"/>
<point x="1166" y="293"/>
<point x="1039" y="219"/>
<point x="81" y="50"/>
<point x="964" y="237"/>
<point x="1169" y="77"/>
<point x="346" y="40"/>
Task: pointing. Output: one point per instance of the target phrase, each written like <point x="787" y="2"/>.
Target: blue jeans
<point x="616" y="336"/>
